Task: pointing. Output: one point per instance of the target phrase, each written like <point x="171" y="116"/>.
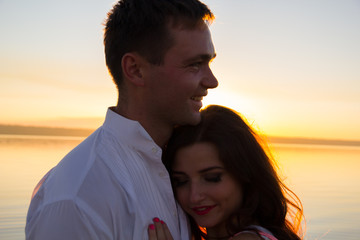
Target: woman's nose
<point x="196" y="194"/>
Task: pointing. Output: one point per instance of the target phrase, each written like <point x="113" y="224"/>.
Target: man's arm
<point x="64" y="220"/>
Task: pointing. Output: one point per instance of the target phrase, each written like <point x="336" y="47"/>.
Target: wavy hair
<point x="266" y="200"/>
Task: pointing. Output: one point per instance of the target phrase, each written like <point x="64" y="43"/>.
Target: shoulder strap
<point x="264" y="234"/>
<point x="269" y="236"/>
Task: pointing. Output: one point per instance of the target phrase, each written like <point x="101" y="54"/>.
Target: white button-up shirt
<point x="111" y="186"/>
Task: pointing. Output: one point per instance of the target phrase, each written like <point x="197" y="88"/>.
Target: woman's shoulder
<point x="246" y="235"/>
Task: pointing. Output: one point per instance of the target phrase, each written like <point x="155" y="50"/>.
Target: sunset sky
<point x="292" y="68"/>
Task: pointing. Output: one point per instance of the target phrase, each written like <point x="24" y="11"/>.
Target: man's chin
<point x="195" y="120"/>
<point x="191" y="117"/>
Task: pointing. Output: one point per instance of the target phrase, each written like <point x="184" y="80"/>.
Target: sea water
<point x="325" y="178"/>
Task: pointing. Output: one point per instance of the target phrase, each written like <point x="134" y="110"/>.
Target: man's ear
<point x="132" y="64"/>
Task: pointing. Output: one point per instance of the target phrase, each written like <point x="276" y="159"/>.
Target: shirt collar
<point x="130" y="132"/>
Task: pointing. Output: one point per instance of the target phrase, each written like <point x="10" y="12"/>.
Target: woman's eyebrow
<point x="178" y="173"/>
<point x="210" y="169"/>
<point x="201" y="171"/>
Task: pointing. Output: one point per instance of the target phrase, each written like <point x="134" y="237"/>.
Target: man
<point x="113" y="184"/>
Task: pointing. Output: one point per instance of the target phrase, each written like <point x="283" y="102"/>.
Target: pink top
<point x="264" y="233"/>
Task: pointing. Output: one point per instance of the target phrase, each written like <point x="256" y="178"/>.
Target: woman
<point x="226" y="182"/>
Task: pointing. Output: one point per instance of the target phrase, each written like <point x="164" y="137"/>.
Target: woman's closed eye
<point x="179" y="181"/>
<point x="213" y="177"/>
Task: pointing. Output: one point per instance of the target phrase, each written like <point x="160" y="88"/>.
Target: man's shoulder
<point x="91" y="188"/>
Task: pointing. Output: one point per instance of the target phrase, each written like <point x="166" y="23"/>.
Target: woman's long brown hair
<point x="267" y="202"/>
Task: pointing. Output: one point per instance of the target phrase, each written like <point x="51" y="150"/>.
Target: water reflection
<point x="325" y="178"/>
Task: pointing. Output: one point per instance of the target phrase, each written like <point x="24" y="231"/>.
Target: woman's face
<point x="204" y="189"/>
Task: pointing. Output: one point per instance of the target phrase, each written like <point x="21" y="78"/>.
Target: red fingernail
<point x="151" y="226"/>
<point x="162" y="222"/>
<point x="156" y="219"/>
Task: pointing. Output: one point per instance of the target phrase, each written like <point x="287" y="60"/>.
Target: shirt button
<point x="162" y="174"/>
<point x="154" y="150"/>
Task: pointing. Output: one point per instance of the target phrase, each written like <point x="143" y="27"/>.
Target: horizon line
<point x="27" y="130"/>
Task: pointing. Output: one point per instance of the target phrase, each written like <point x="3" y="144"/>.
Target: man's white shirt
<point x="108" y="187"/>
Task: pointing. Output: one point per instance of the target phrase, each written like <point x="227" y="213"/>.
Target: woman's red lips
<point x="202" y="210"/>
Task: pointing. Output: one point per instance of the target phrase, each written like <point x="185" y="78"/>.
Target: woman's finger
<point x="166" y="231"/>
<point x="152" y="232"/>
<point x="159" y="230"/>
<point x="160" y="233"/>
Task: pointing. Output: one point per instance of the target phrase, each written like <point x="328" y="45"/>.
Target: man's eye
<point x="195" y="65"/>
<point x="214" y="177"/>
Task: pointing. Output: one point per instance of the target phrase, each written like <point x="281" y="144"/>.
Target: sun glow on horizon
<point x="286" y="81"/>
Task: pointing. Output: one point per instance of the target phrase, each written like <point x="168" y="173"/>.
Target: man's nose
<point x="210" y="81"/>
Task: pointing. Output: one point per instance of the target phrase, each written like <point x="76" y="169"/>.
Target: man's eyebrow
<point x="201" y="57"/>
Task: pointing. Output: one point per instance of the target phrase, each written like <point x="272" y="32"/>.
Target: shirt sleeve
<point x="63" y="220"/>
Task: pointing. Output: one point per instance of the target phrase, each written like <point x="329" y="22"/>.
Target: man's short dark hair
<point x="142" y="26"/>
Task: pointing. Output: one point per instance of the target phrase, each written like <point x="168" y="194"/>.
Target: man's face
<point x="176" y="88"/>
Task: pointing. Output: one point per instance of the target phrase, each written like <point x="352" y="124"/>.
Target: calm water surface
<point x="326" y="179"/>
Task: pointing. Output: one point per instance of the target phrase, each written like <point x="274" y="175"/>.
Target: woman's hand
<point x="159" y="230"/>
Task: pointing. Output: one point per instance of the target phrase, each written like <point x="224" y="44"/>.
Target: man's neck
<point x="159" y="133"/>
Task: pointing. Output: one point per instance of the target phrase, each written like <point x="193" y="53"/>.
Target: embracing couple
<point x="159" y="167"/>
